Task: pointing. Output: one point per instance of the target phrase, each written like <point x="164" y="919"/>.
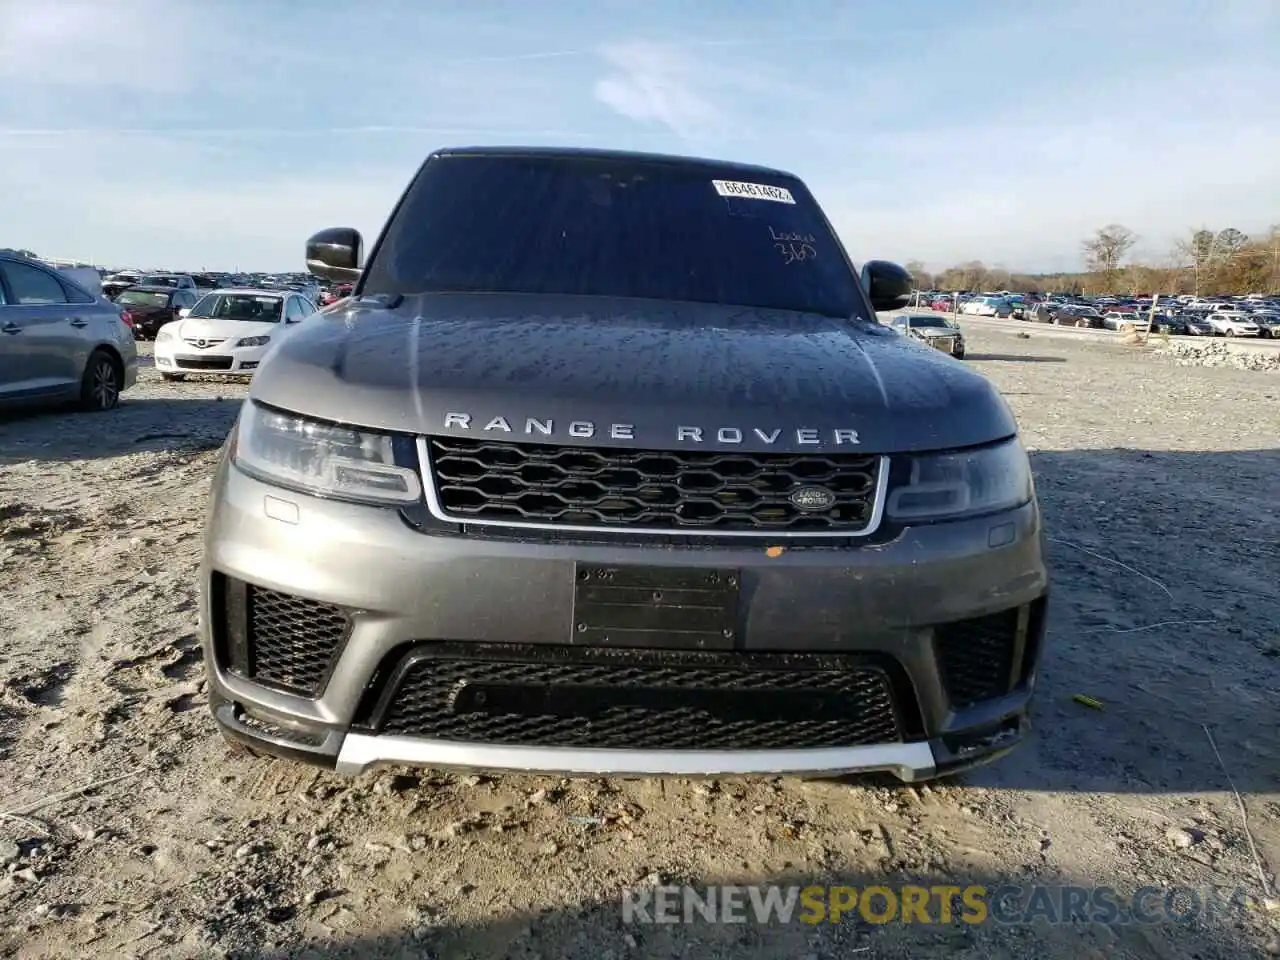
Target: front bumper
<point x="952" y="346"/>
<point x="403" y="593"/>
<point x="238" y="361"/>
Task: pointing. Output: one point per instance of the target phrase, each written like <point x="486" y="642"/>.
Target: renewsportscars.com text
<point x="937" y="904"/>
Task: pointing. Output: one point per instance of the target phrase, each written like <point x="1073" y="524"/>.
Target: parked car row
<point x="1252" y="316"/>
<point x="67" y="335"/>
<point x="156" y="298"/>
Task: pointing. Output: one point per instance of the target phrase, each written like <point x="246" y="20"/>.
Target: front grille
<point x="977" y="657"/>
<point x="493" y="481"/>
<point x="639" y="700"/>
<point x="203" y="363"/>
<point x="292" y="641"/>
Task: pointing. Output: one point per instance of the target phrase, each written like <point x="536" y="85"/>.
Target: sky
<point x="219" y="134"/>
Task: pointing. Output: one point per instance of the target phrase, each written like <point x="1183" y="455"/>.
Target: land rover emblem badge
<point x="812" y="499"/>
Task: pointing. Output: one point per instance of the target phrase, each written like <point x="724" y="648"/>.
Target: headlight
<point x="949" y="486"/>
<point x="253" y="341"/>
<point x="320" y="458"/>
<point x="164" y="333"/>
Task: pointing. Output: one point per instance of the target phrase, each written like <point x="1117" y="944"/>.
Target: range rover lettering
<point x="626" y="431"/>
<point x="606" y="467"/>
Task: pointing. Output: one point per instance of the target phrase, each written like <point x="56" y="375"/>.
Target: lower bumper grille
<point x="638" y="700"/>
<point x="277" y="639"/>
<point x="203" y="363"/>
<point x="985" y="657"/>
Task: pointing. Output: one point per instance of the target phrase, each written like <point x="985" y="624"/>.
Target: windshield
<point x="143" y="298"/>
<point x="249" y="307"/>
<point x="613" y="228"/>
<point x="158" y="281"/>
<point x="928" y="322"/>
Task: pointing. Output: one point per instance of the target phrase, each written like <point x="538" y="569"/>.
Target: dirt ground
<point x="1159" y="486"/>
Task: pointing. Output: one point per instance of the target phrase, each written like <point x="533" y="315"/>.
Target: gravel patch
<point x="1216" y="353"/>
<point x="1158" y="483"/>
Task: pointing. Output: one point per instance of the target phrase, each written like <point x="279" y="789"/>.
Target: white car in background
<point x="988" y="307"/>
<point x="1233" y="323"/>
<point x="228" y="332"/>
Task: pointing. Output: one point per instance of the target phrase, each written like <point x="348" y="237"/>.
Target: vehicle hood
<point x="930" y="332"/>
<point x="627" y="373"/>
<point x="200" y="329"/>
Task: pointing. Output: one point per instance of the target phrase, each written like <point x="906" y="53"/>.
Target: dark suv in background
<point x="149" y="307"/>
<point x="607" y="467"/>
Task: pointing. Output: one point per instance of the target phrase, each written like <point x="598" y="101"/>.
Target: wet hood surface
<point x="631" y="373"/>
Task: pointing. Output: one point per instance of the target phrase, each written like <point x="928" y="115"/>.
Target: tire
<point x="174" y="377"/>
<point x="959" y="355"/>
<point x="101" y="383"/>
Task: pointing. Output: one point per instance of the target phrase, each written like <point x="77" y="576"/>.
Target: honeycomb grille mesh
<point x="976" y="656"/>
<point x="482" y="480"/>
<point x="293" y="640"/>
<point x="688" y="702"/>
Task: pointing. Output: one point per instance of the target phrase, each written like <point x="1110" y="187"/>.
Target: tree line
<point x="1205" y="263"/>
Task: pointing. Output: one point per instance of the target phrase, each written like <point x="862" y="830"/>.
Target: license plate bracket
<point x="673" y="608"/>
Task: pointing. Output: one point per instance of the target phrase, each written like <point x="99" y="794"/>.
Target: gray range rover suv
<point x="606" y="467"/>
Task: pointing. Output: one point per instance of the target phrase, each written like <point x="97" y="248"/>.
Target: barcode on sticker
<point x="755" y="191"/>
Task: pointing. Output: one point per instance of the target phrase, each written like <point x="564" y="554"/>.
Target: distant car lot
<point x="1254" y="315"/>
<point x="1086" y="334"/>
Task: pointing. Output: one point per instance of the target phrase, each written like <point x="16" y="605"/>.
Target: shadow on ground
<point x="993" y="923"/>
<point x="1014" y="358"/>
<point x="1164" y="608"/>
<point x="137" y="425"/>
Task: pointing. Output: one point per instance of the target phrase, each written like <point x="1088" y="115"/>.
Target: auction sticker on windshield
<point x="754" y="191"/>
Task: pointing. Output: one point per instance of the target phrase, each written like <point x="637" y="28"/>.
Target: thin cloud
<point x="683" y="89"/>
<point x="655" y="84"/>
<point x="68" y="44"/>
<point x="513" y="57"/>
<point x="727" y="42"/>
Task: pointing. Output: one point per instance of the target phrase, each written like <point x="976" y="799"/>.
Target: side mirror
<point x="183" y="312"/>
<point x="888" y="285"/>
<point x="335" y="253"/>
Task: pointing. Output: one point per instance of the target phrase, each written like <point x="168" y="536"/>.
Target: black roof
<point x="721" y="166"/>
